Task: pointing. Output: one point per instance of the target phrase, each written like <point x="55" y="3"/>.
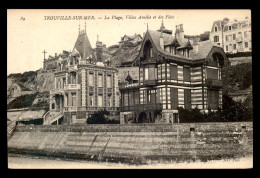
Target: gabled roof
<point x="216" y="23"/>
<point x="83" y="46"/>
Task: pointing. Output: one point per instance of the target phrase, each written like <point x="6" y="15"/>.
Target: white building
<point x="234" y="36"/>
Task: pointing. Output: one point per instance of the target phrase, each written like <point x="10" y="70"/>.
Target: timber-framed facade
<point x="173" y="72"/>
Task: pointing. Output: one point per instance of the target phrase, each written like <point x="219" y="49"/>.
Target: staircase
<point x="51" y="117"/>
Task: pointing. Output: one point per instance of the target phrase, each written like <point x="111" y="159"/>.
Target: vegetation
<point x="26" y="76"/>
<point x="239" y="54"/>
<point x="23" y="101"/>
<point x="101" y="117"/>
<point x="240" y="75"/>
<point x="202" y="37"/>
<point x="232" y="112"/>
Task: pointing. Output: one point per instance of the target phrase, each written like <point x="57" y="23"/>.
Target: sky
<point x="30" y="32"/>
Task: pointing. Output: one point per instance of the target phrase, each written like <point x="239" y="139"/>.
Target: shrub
<point x="233" y="111"/>
<point x="99" y="117"/>
<point x="23" y="101"/>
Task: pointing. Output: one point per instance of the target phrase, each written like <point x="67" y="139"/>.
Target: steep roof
<point x="216" y="23"/>
<point x="83" y="46"/>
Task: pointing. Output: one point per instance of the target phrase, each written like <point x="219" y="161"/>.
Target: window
<point x="100" y="100"/>
<point x="229" y="28"/>
<point x="216" y="29"/>
<point x="91" y="79"/>
<point x="229" y="37"/>
<point x="146" y="73"/>
<point x="234" y="36"/>
<point x="226" y="38"/>
<point x="150" y="72"/>
<point x="216" y="38"/>
<point x="245" y="34"/>
<point x="91" y="100"/>
<point x="109" y="103"/>
<point x="100" y="80"/>
<point x="227" y="48"/>
<point x="246" y="44"/>
<point x="73" y="95"/>
<point x="109" y="81"/>
<point x="180" y="73"/>
<point x="234" y="46"/>
<point x="212" y="73"/>
<point x="126" y="99"/>
<point x="150" y="52"/>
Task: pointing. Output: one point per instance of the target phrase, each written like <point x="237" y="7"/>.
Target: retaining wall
<point x="136" y="143"/>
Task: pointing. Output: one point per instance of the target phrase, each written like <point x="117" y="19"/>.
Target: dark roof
<point x="83" y="46"/>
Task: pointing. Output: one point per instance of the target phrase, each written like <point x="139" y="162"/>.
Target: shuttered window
<point x="173" y="72"/>
<point x="213" y="99"/>
<point x="91" y="79"/>
<point x="174" y="98"/>
<point x="212" y="73"/>
<point x="186" y="75"/>
<point x="187" y="99"/>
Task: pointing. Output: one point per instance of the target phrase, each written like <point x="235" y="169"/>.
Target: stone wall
<point x="136" y="143"/>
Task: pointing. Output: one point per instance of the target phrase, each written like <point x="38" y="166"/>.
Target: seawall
<point x="137" y="144"/>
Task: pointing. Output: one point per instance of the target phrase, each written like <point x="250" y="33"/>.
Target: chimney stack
<point x="179" y="32"/>
<point x="161" y="40"/>
<point x="195" y="46"/>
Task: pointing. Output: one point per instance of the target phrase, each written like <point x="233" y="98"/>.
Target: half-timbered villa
<point x="173" y="72"/>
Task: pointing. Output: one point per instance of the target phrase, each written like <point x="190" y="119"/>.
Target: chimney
<point x="195" y="46"/>
<point x="161" y="40"/>
<point x="179" y="33"/>
<point x="55" y="54"/>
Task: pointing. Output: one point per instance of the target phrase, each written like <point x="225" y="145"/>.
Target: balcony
<point x="109" y="90"/>
<point x="213" y="83"/>
<point x="58" y="91"/>
<point x="239" y="39"/>
<point x="91" y="89"/>
<point x="100" y="90"/>
<point x="143" y="107"/>
<point x="70" y="108"/>
<point x="133" y="85"/>
<point x="150" y="82"/>
<point x="72" y="87"/>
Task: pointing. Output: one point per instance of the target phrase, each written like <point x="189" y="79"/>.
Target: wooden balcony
<point x="143" y="107"/>
<point x="150" y="82"/>
<point x="212" y="83"/>
<point x="72" y="87"/>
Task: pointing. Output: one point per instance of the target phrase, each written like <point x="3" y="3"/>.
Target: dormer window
<point x="150" y="52"/>
<point x="216" y="29"/>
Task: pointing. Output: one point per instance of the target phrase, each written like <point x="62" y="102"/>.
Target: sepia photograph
<point x="129" y="89"/>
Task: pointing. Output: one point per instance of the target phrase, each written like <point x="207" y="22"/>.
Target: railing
<point x="129" y="85"/>
<point x="70" y="108"/>
<point x="72" y="87"/>
<point x="57" y="91"/>
<point x="100" y="90"/>
<point x="91" y="89"/>
<point x="143" y="107"/>
<point x="109" y="90"/>
<point x="150" y="82"/>
<point x="213" y="83"/>
<point x="239" y="39"/>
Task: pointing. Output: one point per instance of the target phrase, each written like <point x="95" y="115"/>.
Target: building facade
<point x="84" y="83"/>
<point x="233" y="36"/>
<point x="136" y="38"/>
<point x="173" y="72"/>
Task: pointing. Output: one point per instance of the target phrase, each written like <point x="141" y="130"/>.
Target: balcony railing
<point x="91" y="89"/>
<point x="72" y="87"/>
<point x="129" y="86"/>
<point x="150" y="82"/>
<point x="57" y="91"/>
<point x="100" y="90"/>
<point x="213" y="83"/>
<point x="239" y="39"/>
<point x="109" y="90"/>
<point x="70" y="108"/>
<point x="143" y="107"/>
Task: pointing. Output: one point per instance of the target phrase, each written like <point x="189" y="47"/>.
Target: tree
<point x="98" y="117"/>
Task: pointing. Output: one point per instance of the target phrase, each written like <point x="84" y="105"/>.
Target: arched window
<point x="52" y="106"/>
